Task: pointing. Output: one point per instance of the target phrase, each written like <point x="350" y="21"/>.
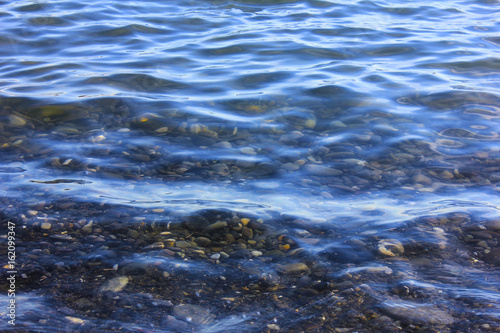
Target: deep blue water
<point x="336" y="127"/>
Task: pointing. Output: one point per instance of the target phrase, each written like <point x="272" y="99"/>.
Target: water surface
<point x="253" y="165"/>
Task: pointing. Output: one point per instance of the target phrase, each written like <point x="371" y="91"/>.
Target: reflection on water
<point x="254" y="165"/>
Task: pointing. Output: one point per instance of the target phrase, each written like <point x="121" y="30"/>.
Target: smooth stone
<point x="248" y="151"/>
<point x="492" y="225"/>
<point x="320" y="170"/>
<point x="416" y="313"/>
<point x="256" y="254"/>
<point x="220" y="168"/>
<point x="422" y="179"/>
<point x="247" y="232"/>
<point x="390" y="247"/>
<point x="203" y="241"/>
<point x="495" y="177"/>
<point x="45" y="225"/>
<point x="295" y="268"/>
<point x="182" y="244"/>
<point x="290" y="166"/>
<point x="193" y="314"/>
<point x="294" y="135"/>
<point x="222" y="144"/>
<point x="172" y="323"/>
<point x="264" y="169"/>
<point x="348" y="253"/>
<point x="115" y="284"/>
<point x="133" y="234"/>
<point x="215" y="226"/>
<point x="16" y="121"/>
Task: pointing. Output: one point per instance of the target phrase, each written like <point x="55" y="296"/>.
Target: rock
<point x="247" y="232"/>
<point x="171" y="323"/>
<point x="115" y="284"/>
<point x="203" y="241"/>
<point x="416" y="313"/>
<point x="320" y="170"/>
<point x="422" y="179"/>
<point x="215" y="226"/>
<point x="289" y="137"/>
<point x="16" y="121"/>
<point x="493" y="257"/>
<point x="264" y="169"/>
<point x="193" y="314"/>
<point x="45" y="225"/>
<point x="295" y="268"/>
<point x="220" y="168"/>
<point x="248" y="151"/>
<point x="493" y="225"/>
<point x="390" y="247"/>
<point x="222" y="144"/>
<point x="348" y="253"/>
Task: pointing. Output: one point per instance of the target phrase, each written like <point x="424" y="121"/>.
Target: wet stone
<point x="193" y="314"/>
<point x="295" y="268"/>
<point x="320" y="170"/>
<point x="247" y="232"/>
<point x="115" y="284"/>
<point x="171" y="323"/>
<point x="416" y="313"/>
<point x="203" y="241"/>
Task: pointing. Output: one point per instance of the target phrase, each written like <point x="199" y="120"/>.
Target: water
<point x="254" y="165"/>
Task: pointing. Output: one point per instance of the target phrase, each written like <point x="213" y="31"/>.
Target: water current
<point x="250" y="165"/>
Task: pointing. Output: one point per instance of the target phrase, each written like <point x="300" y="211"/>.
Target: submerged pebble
<point x="416" y="313"/>
<point x="193" y="314"/>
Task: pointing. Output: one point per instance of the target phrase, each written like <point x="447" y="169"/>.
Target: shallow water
<point x="254" y="165"/>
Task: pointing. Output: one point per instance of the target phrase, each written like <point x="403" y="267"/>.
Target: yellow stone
<point x="245" y="221"/>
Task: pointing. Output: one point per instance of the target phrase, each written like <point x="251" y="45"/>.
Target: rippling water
<point x="255" y="165"/>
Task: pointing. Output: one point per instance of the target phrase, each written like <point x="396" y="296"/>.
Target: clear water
<point x="337" y="128"/>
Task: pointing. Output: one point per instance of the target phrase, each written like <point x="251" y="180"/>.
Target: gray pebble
<point x="193" y="314"/>
<point x="416" y="313"/>
<point x="320" y="170"/>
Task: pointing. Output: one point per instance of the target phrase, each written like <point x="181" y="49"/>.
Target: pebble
<point x="390" y="247"/>
<point x="222" y="144"/>
<point x="171" y="323"/>
<point x="264" y="169"/>
<point x="422" y="179"/>
<point x="247" y="232"/>
<point x="295" y="268"/>
<point x="416" y="313"/>
<point x="115" y="284"/>
<point x="45" y="225"/>
<point x="493" y="225"/>
<point x="248" y="151"/>
<point x="203" y="241"/>
<point x="215" y="226"/>
<point x="193" y="314"/>
<point x="16" y="121"/>
<point x="320" y="170"/>
<point x="256" y="254"/>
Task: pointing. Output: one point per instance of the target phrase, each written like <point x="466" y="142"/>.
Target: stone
<point x="193" y="314"/>
<point x="247" y="232"/>
<point x="416" y="313"/>
<point x="248" y="151"/>
<point x="320" y="170"/>
<point x="493" y="225"/>
<point x="171" y="323"/>
<point x="45" y="225"/>
<point x="115" y="284"/>
<point x="390" y="247"/>
<point x="422" y="179"/>
<point x="203" y="241"/>
<point x="295" y="268"/>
